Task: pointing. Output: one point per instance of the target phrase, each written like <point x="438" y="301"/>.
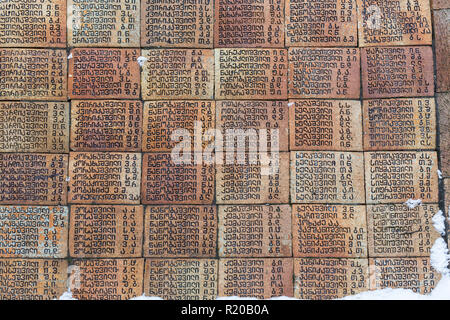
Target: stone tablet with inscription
<point x="398" y="231"/>
<point x="106" y="231"/>
<point x="249" y="24"/>
<point x="34" y="127"/>
<point x="398" y="176"/>
<point x="321" y="23"/>
<point x="255" y="231"/>
<point x="106" y="23"/>
<point x="106" y="125"/>
<point x="328" y="278"/>
<point x="180" y="231"/>
<point x="33" y="232"/>
<point x="243" y="74"/>
<point x="440" y="4"/>
<point x="33" y="74"/>
<point x="106" y="279"/>
<point x="324" y="73"/>
<point x="397" y="71"/>
<point x="443" y="105"/>
<point x="256" y="278"/>
<point x="329" y="231"/>
<point x="327" y="177"/>
<point x="177" y="74"/>
<point x="399" y="124"/>
<point x="33" y="178"/>
<point x="442" y="48"/>
<point x="32" y="279"/>
<point x="390" y="23"/>
<point x="181" y="279"/>
<point x="325" y="125"/>
<point x="104" y="74"/>
<point x="104" y="177"/>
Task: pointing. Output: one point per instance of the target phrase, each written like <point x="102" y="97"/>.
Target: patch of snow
<point x="290" y="104"/>
<point x="67" y="296"/>
<point x="440" y="174"/>
<point x="440" y="258"/>
<point x="141" y="60"/>
<point x="411" y="203"/>
<point x="144" y="297"/>
<point x="439" y="222"/>
<point x="69" y="56"/>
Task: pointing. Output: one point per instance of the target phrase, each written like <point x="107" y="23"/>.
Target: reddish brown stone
<point x="269" y="277"/>
<point x="180" y="231"/>
<point x="440" y="4"/>
<point x="105" y="231"/>
<point x="443" y="105"/>
<point x="447" y="196"/>
<point x="255" y="231"/>
<point x="324" y="73"/>
<point x="397" y="71"/>
<point x="325" y="125"/>
<point x="106" y="125"/>
<point x="442" y="48"/>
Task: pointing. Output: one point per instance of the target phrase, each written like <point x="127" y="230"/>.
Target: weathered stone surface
<point x="106" y="231"/>
<point x="397" y="71"/>
<point x="248" y="179"/>
<point x="33" y="232"/>
<point x="256" y="278"/>
<point x="106" y="125"/>
<point x="33" y="178"/>
<point x="34" y="127"/>
<point x="123" y="279"/>
<point x="106" y="177"/>
<point x="33" y="74"/>
<point x="181" y="279"/>
<point x="252" y="24"/>
<point x="167" y="182"/>
<point x="327" y="177"/>
<point x="440" y="4"/>
<point x="324" y="73"/>
<point x="443" y="107"/>
<point x="325" y="125"/>
<point x="255" y="231"/>
<point x="344" y="277"/>
<point x="397" y="176"/>
<point x="441" y="19"/>
<point x="321" y="24"/>
<point x="32" y="279"/>
<point x="399" y="124"/>
<point x="251" y="74"/>
<point x="329" y="231"/>
<point x="178" y="74"/>
<point x="104" y="73"/>
<point x="447" y="196"/>
<point x="180" y="231"/>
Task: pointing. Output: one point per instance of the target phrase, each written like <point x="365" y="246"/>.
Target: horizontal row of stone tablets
<point x="304" y="278"/>
<point x="221" y="74"/>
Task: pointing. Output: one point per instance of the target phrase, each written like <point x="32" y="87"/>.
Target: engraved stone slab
<point x="440" y="4"/>
<point x="178" y="74"/>
<point x="443" y="104"/>
<point x="34" y="127"/>
<point x="163" y="118"/>
<point x="109" y="23"/>
<point x="397" y="71"/>
<point x="106" y="125"/>
<point x="395" y="124"/>
<point x="398" y="231"/>
<point x="251" y="74"/>
<point x="180" y="231"/>
<point x="388" y="23"/>
<point x="325" y="231"/>
<point x="33" y="178"/>
<point x="33" y="232"/>
<point x="250" y="179"/>
<point x="166" y="182"/>
<point x="108" y="279"/>
<point x="33" y="74"/>
<point x="104" y="74"/>
<point x="32" y="279"/>
<point x="324" y="73"/>
<point x="253" y="24"/>
<point x="321" y="24"/>
<point x="255" y="231"/>
<point x="181" y="279"/>
<point x="328" y="278"/>
<point x="325" y="125"/>
<point x="327" y="177"/>
<point x="106" y="231"/>
<point x="256" y="278"/>
<point x="441" y="19"/>
<point x="107" y="177"/>
<point x="397" y="176"/>
<point x="192" y="27"/>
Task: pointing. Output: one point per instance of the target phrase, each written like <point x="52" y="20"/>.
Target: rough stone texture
<point x="440" y="4"/>
<point x="447" y="196"/>
<point x="442" y="48"/>
<point x="443" y="107"/>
